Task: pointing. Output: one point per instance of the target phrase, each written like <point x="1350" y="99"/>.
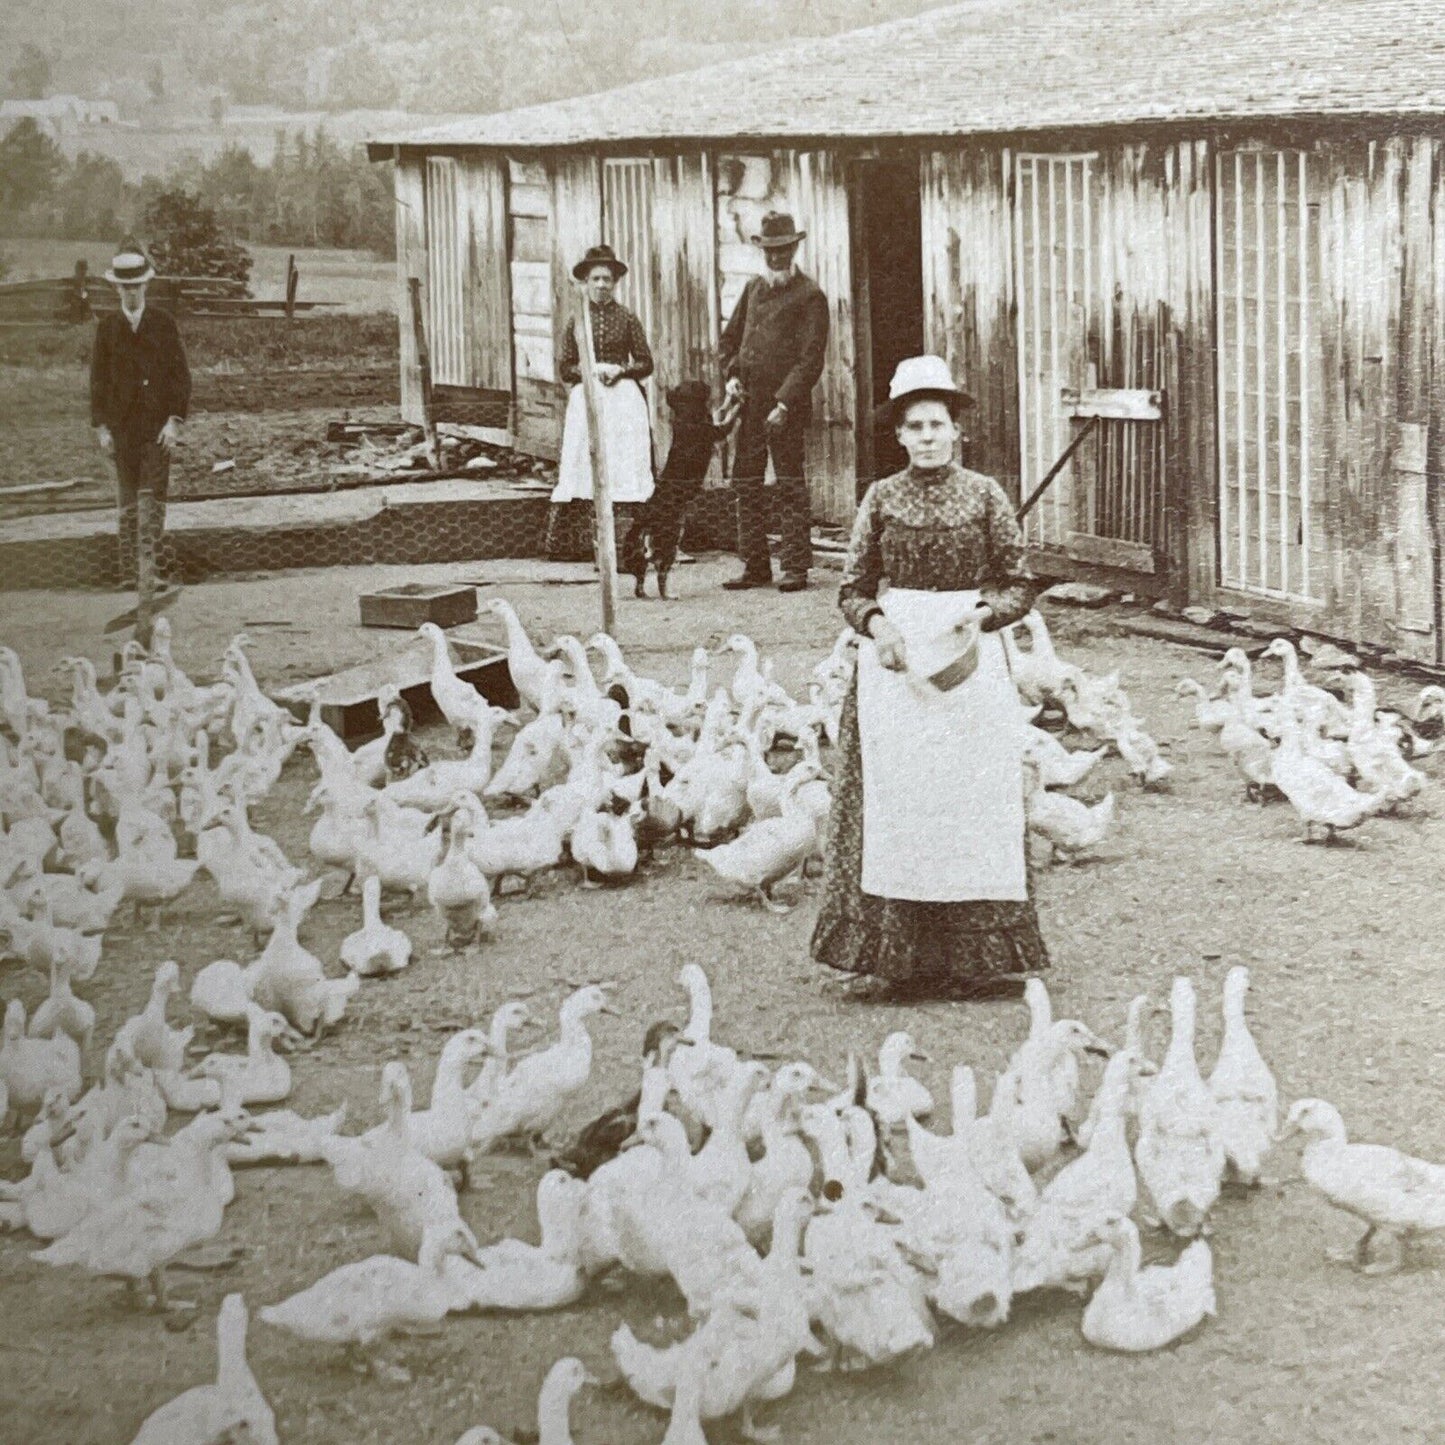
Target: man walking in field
<point x="772" y="353"/>
<point x="140" y="392"/>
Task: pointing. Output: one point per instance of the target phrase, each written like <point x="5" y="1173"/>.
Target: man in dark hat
<point x="772" y="354"/>
<point x="140" y="392"/>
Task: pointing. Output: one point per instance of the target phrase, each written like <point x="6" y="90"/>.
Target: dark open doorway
<point x="888" y="297"/>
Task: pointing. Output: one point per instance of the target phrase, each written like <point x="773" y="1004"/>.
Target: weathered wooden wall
<point x="968" y="296"/>
<point x="575" y="223"/>
<point x="536" y="409"/>
<point x="683" y="269"/>
<point x="810" y="185"/>
<point x="408" y="191"/>
<point x="488" y="296"/>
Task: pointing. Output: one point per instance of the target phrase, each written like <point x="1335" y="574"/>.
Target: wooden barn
<point x="1236" y="204"/>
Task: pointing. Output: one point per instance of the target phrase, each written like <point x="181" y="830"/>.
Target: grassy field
<point x="1347" y="992"/>
<point x="356" y="281"/>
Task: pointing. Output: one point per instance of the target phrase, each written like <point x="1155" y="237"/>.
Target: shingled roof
<point x="1012" y="66"/>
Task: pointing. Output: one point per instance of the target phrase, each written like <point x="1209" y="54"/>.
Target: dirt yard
<point x="263" y="393"/>
<point x="1346" y="1002"/>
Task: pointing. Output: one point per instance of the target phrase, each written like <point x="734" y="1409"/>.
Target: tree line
<point x="313" y="192"/>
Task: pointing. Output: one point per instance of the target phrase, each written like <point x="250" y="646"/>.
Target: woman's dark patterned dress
<point x="618" y="337"/>
<point x="944" y="531"/>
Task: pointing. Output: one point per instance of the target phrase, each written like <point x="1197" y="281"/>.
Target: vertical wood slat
<point x="487" y="271"/>
<point x="410" y="261"/>
<point x="970" y="250"/>
<point x="575" y="184"/>
<point x="820" y="199"/>
<point x="446" y="299"/>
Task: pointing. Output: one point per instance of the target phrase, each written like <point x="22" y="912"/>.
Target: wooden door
<point x="446" y="280"/>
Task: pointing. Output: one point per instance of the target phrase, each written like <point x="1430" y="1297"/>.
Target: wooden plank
<point x="535" y="358"/>
<point x="528" y="200"/>
<point x="820" y="201"/>
<point x="576" y="223"/>
<point x="1109" y="552"/>
<point x="1118" y="403"/>
<point x="531" y="239"/>
<point x="410" y="262"/>
<point x="524" y="171"/>
<point x="423" y="357"/>
<point x="489" y="273"/>
<point x="531" y="288"/>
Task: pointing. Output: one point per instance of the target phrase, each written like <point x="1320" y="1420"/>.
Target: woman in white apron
<point x="927" y="889"/>
<point x="622" y="360"/>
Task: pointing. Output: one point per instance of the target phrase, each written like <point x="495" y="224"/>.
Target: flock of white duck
<point x="787" y="1224"/>
<point x="1338" y="762"/>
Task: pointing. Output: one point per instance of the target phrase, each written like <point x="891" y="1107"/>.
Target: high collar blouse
<point x="617" y="336"/>
<point x="946" y="531"/>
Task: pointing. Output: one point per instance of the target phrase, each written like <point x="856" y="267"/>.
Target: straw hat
<point x="130" y="266"/>
<point x="924" y="378"/>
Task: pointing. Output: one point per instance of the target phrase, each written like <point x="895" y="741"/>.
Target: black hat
<point x="777" y="229"/>
<point x="602" y="255"/>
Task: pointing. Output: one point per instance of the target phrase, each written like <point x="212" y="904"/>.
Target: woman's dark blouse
<point x="617" y="336"/>
<point x="945" y="531"/>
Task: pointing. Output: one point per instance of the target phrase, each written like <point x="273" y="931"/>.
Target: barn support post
<point x="605" y="534"/>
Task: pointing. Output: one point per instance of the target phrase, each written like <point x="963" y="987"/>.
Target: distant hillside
<point x="172" y="60"/>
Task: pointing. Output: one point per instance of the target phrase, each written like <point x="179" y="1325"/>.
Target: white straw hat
<point x="130" y="266"/>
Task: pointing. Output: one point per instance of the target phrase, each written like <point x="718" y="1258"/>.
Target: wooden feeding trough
<point x="348" y="698"/>
<point x="413" y="603"/>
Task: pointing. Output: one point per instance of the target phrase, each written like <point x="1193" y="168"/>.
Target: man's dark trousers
<point x="792" y="512"/>
<point x="141" y="465"/>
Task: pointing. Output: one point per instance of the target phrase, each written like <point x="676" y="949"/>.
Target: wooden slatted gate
<point x="1108" y="503"/>
<point x="627" y="204"/>
<point x="446" y="274"/>
<point x="1266" y="239"/>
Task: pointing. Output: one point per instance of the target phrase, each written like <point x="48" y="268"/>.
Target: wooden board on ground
<point x="413" y="603"/>
<point x="1187" y="634"/>
<point x="348" y="698"/>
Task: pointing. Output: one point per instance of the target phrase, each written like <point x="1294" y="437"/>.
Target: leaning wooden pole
<point x="605" y="532"/>
<point x="423" y="361"/>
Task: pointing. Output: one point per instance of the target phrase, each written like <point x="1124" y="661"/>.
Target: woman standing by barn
<point x="622" y="360"/>
<point x="927" y="885"/>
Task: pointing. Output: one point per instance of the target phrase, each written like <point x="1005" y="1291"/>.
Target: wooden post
<point x="145" y="564"/>
<point x="293" y="281"/>
<point x="423" y="358"/>
<point x="605" y="533"/>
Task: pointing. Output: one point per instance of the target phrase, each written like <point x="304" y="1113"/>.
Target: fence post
<point x="606" y="535"/>
<point x="293" y="281"/>
<point x="423" y="359"/>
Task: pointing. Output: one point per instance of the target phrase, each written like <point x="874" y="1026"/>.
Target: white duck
<point x="512" y="1275"/>
<point x="1394" y="1193"/>
<point x="61" y="1012"/>
<point x="1069" y="827"/>
<point x="457" y="889"/>
<point x="459" y="702"/>
<point x="1137" y="1309"/>
<point x="233" y="1407"/>
<point x="376" y="949"/>
<point x="1057" y="766"/>
<point x="261" y="1075"/>
<point x="528" y="671"/>
<point x="697" y="1067"/>
<point x="771" y="850"/>
<point x="1319" y="795"/>
<point x="1180" y="1151"/>
<point x="1098" y="1183"/>
<point x="1244" y="1090"/>
<point x="1037" y="672"/>
<point x="290" y="980"/>
<point x="894" y="1095"/>
<point x="29" y="1068"/>
<point x="604" y="843"/>
<point x="360" y="1304"/>
<point x="443" y="1131"/>
<point x="538" y="1088"/>
<point x="1315" y="708"/>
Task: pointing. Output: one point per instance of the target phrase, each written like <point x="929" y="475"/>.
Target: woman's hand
<point x="889" y="642"/>
<point x="608" y="372"/>
<point x="978" y="616"/>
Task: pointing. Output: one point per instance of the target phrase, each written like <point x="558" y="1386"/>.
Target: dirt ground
<point x="261" y="399"/>
<point x="1346" y="1002"/>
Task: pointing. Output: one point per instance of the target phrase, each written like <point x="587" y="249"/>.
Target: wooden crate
<point x="416" y="602"/>
<point x="348" y="698"/>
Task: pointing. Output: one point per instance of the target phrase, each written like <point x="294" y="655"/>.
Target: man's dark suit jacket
<point x="138" y="379"/>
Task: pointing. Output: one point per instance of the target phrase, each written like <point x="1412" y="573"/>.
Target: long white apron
<point x="627" y="437"/>
<point x="943" y="800"/>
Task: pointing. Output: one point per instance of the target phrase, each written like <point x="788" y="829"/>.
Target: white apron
<point x="627" y="441"/>
<point x="943" y="798"/>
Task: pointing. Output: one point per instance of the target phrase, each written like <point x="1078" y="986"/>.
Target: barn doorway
<point x="887" y="296"/>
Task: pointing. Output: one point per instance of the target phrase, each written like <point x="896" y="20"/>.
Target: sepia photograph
<point x="722" y="721"/>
